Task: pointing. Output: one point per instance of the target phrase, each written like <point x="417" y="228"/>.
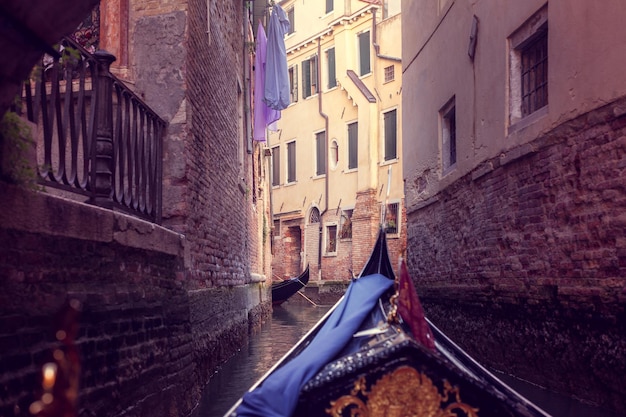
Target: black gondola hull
<point x="282" y="291"/>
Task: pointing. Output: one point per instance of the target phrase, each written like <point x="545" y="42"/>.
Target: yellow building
<point x="338" y="144"/>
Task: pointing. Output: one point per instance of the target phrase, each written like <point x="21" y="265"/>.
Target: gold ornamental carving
<point x="405" y="392"/>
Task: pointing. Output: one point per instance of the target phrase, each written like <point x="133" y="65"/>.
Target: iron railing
<point x="95" y="137"/>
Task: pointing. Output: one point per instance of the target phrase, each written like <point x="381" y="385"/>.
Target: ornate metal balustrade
<point x="95" y="137"/>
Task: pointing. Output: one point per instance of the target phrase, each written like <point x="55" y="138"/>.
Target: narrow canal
<point x="288" y="324"/>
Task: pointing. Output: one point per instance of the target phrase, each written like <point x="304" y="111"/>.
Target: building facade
<point x="336" y="151"/>
<point x="514" y="184"/>
<point x="162" y="303"/>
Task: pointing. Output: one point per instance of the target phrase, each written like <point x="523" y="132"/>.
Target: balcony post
<point x="102" y="152"/>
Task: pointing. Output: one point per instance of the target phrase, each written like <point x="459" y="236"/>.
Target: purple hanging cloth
<point x="263" y="115"/>
<point x="277" y="75"/>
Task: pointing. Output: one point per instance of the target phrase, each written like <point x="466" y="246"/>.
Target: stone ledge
<point x="38" y="212"/>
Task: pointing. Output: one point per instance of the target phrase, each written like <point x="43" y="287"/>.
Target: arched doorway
<point x="312" y="233"/>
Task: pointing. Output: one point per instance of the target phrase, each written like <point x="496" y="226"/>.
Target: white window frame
<point x="326" y="238"/>
<point x="448" y="146"/>
<point x="534" y="26"/>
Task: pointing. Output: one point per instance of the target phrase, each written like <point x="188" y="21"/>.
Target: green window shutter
<point x="364" y="53"/>
<point x="291" y="162"/>
<point x="390" y="135"/>
<point x="306" y="78"/>
<point x="321" y="153"/>
<point x="332" y="76"/>
<point x="353" y="145"/>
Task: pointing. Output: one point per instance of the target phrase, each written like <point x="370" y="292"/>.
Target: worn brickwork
<point x="134" y="337"/>
<point x="156" y="324"/>
<point x="524" y="260"/>
<point x="351" y="254"/>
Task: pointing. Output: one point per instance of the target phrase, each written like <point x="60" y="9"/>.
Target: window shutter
<point x="314" y="75"/>
<point x="306" y="78"/>
<point x="353" y="146"/>
<point x="332" y="78"/>
<point x="390" y="135"/>
<point x="321" y="153"/>
<point x="291" y="155"/>
<point x="329" y="6"/>
<point x="295" y="83"/>
<point x="364" y="53"/>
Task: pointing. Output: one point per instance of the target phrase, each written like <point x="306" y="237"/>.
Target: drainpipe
<point x="326" y="136"/>
<point x="374" y="35"/>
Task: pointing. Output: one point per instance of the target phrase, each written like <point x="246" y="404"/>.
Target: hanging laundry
<point x="264" y="116"/>
<point x="276" y="75"/>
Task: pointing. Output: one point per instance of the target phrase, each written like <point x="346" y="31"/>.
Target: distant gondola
<point x="375" y="354"/>
<point x="281" y="291"/>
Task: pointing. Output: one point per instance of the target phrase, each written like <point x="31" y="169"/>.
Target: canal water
<point x="288" y="324"/>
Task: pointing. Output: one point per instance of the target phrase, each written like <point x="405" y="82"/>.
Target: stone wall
<point x="523" y="261"/>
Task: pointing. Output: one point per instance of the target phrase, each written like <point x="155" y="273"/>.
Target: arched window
<point x="314" y="216"/>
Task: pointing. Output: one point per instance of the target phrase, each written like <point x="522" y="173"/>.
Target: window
<point x="448" y="135"/>
<point x="345" y="231"/>
<point x="277" y="228"/>
<point x="332" y="76"/>
<point x="275" y="166"/>
<point x="353" y="145"/>
<point x="389" y="73"/>
<point x="528" y="76"/>
<point x="364" y="53"/>
<point x="535" y="74"/>
<point x="390" y="8"/>
<point x="389" y="121"/>
<point x="291" y="16"/>
<point x="329" y="6"/>
<point x="392" y="218"/>
<point x="309" y="77"/>
<point x="331" y="239"/>
<point x="291" y="162"/>
<point x="293" y="84"/>
<point x="320" y="153"/>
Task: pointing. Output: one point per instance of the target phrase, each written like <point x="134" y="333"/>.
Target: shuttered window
<point x="291" y="16"/>
<point x="329" y="6"/>
<point x="291" y="162"/>
<point x="320" y="147"/>
<point x="353" y="145"/>
<point x="364" y="53"/>
<point x="293" y="83"/>
<point x="309" y="77"/>
<point x="276" y="166"/>
<point x="332" y="76"/>
<point x="389" y="120"/>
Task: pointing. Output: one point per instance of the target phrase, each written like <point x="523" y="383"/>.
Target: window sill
<point x="330" y="255"/>
<point x="291" y="184"/>
<point x="318" y="177"/>
<point x="350" y="170"/>
<point x="528" y="120"/>
<point x="447" y="171"/>
<point x="389" y="162"/>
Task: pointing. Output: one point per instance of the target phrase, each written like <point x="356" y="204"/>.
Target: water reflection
<point x="289" y="323"/>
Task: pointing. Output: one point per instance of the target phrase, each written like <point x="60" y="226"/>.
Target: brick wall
<point x="134" y="337"/>
<point x="157" y="324"/>
<point x="523" y="261"/>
